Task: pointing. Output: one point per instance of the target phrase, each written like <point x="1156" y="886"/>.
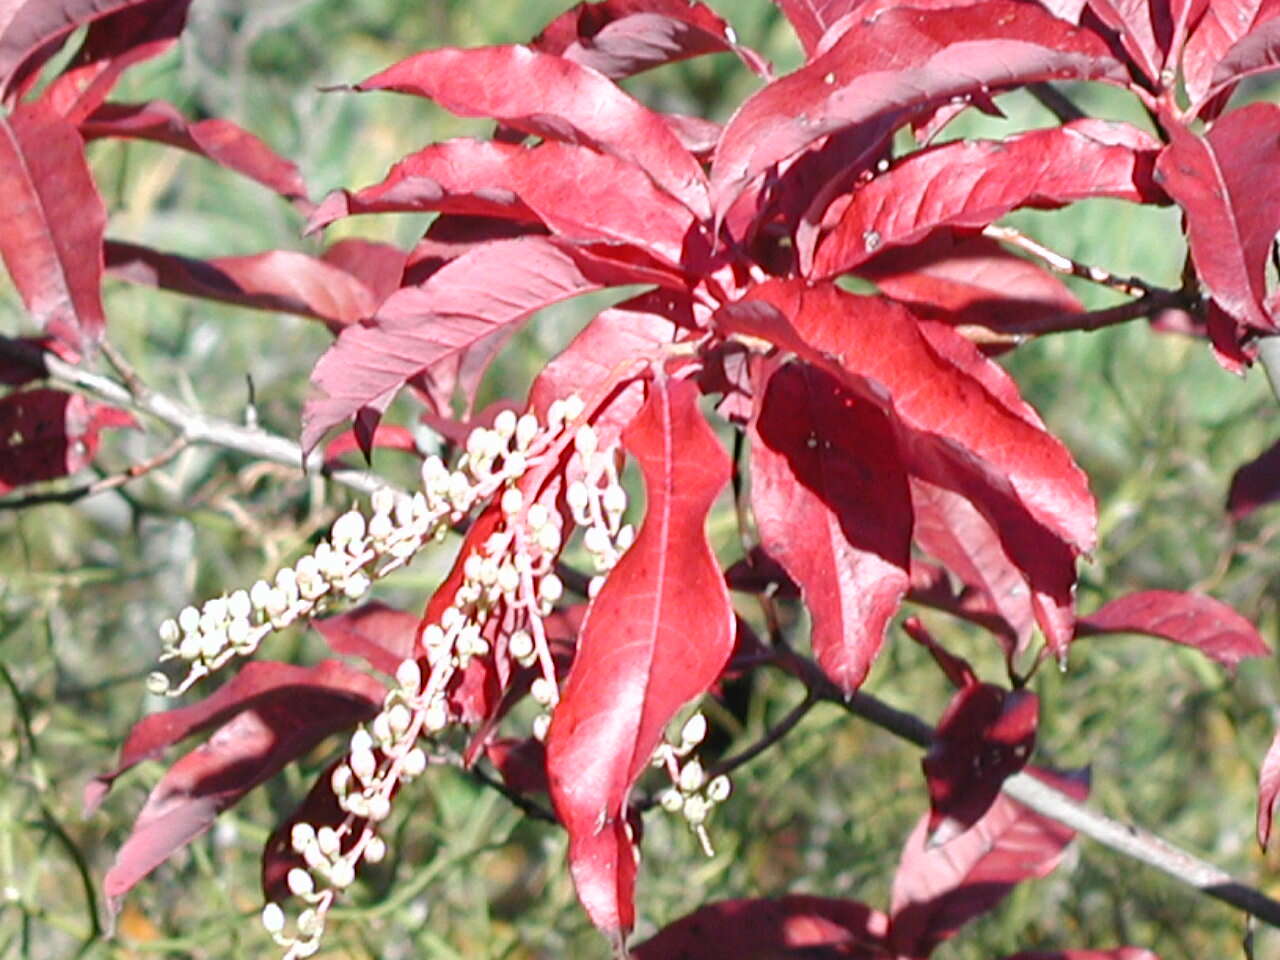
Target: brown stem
<point x="102" y="484"/>
<point x="1060" y="263"/>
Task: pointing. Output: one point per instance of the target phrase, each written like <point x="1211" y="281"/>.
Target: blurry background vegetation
<point x="1173" y="743"/>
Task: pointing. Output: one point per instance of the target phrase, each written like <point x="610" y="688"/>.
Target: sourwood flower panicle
<point x="692" y="793"/>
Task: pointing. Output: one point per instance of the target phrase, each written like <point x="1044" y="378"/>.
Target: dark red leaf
<point x="939" y="889"/>
<point x="621" y="38"/>
<point x="522" y="763"/>
<point x="269" y="714"/>
<point x="796" y="925"/>
<point x="15" y="370"/>
<point x="320" y="808"/>
<point x="553" y="98"/>
<point x="379" y="266"/>
<point x="901" y="63"/>
<point x="1189" y="619"/>
<point x="218" y="140"/>
<point x="1257" y="51"/>
<point x="482" y="294"/>
<point x="1145" y="31"/>
<point x="381" y="635"/>
<point x="931" y="587"/>
<point x="1268" y="790"/>
<point x="830" y="500"/>
<point x="46" y="434"/>
<point x="1232" y="215"/>
<point x="1255" y="484"/>
<point x="971" y="183"/>
<point x="581" y="195"/>
<point x="657" y="635"/>
<point x="969" y="281"/>
<point x="1119" y="953"/>
<point x="282" y="280"/>
<point x="955" y="668"/>
<point x="1224" y="23"/>
<point x="985" y="736"/>
<point x="112" y="45"/>
<point x="51" y="224"/>
<point x="811" y="19"/>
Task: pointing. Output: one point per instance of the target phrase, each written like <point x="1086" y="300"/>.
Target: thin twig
<point x="193" y="425"/>
<point x="102" y="484"/>
<point x="771" y="736"/>
<point x="1060" y="263"/>
<point x="1124" y="838"/>
<point x="1149" y="303"/>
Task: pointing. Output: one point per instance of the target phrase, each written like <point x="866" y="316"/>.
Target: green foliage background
<point x="1173" y="743"/>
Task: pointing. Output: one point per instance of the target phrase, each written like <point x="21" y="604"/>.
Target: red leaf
<point x="218" y="140"/>
<point x="965" y="280"/>
<point x="795" y="925"/>
<point x="1224" y="23"/>
<point x="112" y="45"/>
<point x="1145" y="32"/>
<point x="939" y="889"/>
<point x="276" y="712"/>
<point x="581" y="195"/>
<point x="46" y="434"/>
<point x="553" y="98"/>
<point x="320" y="808"/>
<point x="16" y="370"/>
<point x="985" y="736"/>
<point x="379" y="266"/>
<point x="522" y="763"/>
<point x="51" y="224"/>
<point x="830" y="499"/>
<point x="1257" y="51"/>
<point x="1119" y="953"/>
<point x="901" y="63"/>
<point x="1190" y="619"/>
<point x="971" y="183"/>
<point x="282" y="280"/>
<point x="482" y="294"/>
<point x="382" y="635"/>
<point x="1232" y="215"/>
<point x="1268" y="790"/>
<point x="621" y="38"/>
<point x="657" y="635"/>
<point x="811" y="19"/>
<point x="1255" y="484"/>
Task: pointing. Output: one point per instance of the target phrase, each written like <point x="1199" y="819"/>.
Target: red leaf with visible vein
<point x="1255" y="484"/>
<point x="794" y="925"/>
<point x="481" y="294"/>
<point x="1232" y="214"/>
<point x="899" y="64"/>
<point x="282" y="280"/>
<point x="581" y="195"/>
<point x="553" y="98"/>
<point x="218" y="140"/>
<point x="46" y="434"/>
<point x="1258" y="51"/>
<point x="962" y="425"/>
<point x="51" y="224"/>
<point x="811" y="19"/>
<point x="937" y="890"/>
<point x="1224" y="23"/>
<point x="656" y="636"/>
<point x="969" y="281"/>
<point x="270" y="714"/>
<point x="621" y="38"/>
<point x="381" y="635"/>
<point x="985" y="736"/>
<point x="1145" y="29"/>
<point x="111" y="46"/>
<point x="971" y="183"/>
<point x="830" y="499"/>
<point x="1189" y="619"/>
<point x="1268" y="790"/>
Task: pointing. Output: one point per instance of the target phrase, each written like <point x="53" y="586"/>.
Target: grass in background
<point x="1158" y="426"/>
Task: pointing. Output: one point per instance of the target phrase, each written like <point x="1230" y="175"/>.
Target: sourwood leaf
<point x="1255" y="484"/>
<point x="972" y="183"/>
<point x="830" y="499"/>
<point x="554" y="98"/>
<point x="51" y="224"/>
<point x="897" y="65"/>
<point x="939" y="889"/>
<point x="1268" y="791"/>
<point x="379" y="634"/>
<point x="47" y="433"/>
<point x="1257" y="51"/>
<point x="796" y="925"/>
<point x="811" y="19"/>
<point x="1232" y="214"/>
<point x="221" y="141"/>
<point x="1190" y="619"/>
<point x="1224" y="23"/>
<point x="657" y="635"/>
<point x="621" y="38"/>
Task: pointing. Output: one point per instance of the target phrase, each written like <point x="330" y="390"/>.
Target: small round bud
<point x="363" y="765"/>
<point x="157" y="683"/>
<point x="357" y="586"/>
<point x="190" y="647"/>
<point x="361" y="741"/>
<point x="526" y="430"/>
<point x="626" y="537"/>
<point x="260" y="594"/>
<point x="169" y="632"/>
<point x="380" y="527"/>
<point x="595" y="585"/>
<point x="555" y="414"/>
<point x="579" y="498"/>
<point x="614" y="499"/>
<point x="512" y="501"/>
<point x="404" y="511"/>
<point x="596" y="541"/>
<point x="414" y="763"/>
<point x="308" y="923"/>
<point x="691" y="776"/>
<point x="508" y="579"/>
<point x="694" y="730"/>
<point x="551" y="588"/>
<point x="375" y="851"/>
<point x="379" y="807"/>
<point x="328" y="841"/>
<point x="574" y="406"/>
<point x="300" y="882"/>
<point x="585" y="441"/>
<point x="515" y="464"/>
<point x="541" y="723"/>
<point x="549" y="538"/>
<point x="436" y="717"/>
<point x="718" y="789"/>
<point x="239" y="606"/>
<point x="504" y="424"/>
<point x="542" y="690"/>
<point x="215" y="609"/>
<point x="696" y="809"/>
<point x="341" y="779"/>
<point x="671" y="801"/>
<point x="520" y="645"/>
<point x="398" y="719"/>
<point x="301" y="836"/>
<point x="409" y="677"/>
<point x="348" y="528"/>
<point x="189" y="619"/>
<point x="383" y="500"/>
<point x="273" y="918"/>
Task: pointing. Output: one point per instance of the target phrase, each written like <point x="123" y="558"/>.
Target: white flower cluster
<point x="692" y="794"/>
<point x="359" y="552"/>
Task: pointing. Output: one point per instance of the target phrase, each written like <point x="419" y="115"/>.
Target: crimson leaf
<point x="1255" y="484"/>
<point x="46" y="434"/>
<point x="657" y="635"/>
<point x="381" y="635"/>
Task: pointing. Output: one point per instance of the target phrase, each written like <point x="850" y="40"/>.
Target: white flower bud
<point x="300" y="882"/>
<point x="436" y="717"/>
<point x="542" y="690"/>
<point x="433" y="637"/>
<point x="614" y="500"/>
<point x="413" y="763"/>
<point x="596" y="541"/>
<point x="157" y="683"/>
<point x="526" y="430"/>
<point x="538" y="516"/>
<point x="375" y="850"/>
<point x="357" y="586"/>
<point x="626" y="537"/>
<point x="301" y="836"/>
<point x="191" y="646"/>
<point x="239" y="606"/>
<point x="361" y="741"/>
<point x="504" y="424"/>
<point x="585" y="441"/>
<point x="307" y="568"/>
<point x="287" y="581"/>
<point x="541" y="723"/>
<point x="383" y="501"/>
<point x="260" y="594"/>
<point x="189" y="619"/>
<point x="508" y="579"/>
<point x="328" y="841"/>
<point x="551" y="588"/>
<point x="694" y="730"/>
<point x="398" y="719"/>
<point x="671" y="801"/>
<point x="404" y="511"/>
<point x="512" y="501"/>
<point x="549" y="538"/>
<point x="574" y="406"/>
<point x="308" y="922"/>
<point x="520" y="645"/>
<point x="556" y="415"/>
<point x="379" y="807"/>
<point x="169" y="632"/>
<point x="238" y="633"/>
<point x="215" y="609"/>
<point x="382" y="730"/>
<point x="380" y="527"/>
<point x="515" y="465"/>
<point x="348" y="528"/>
<point x="409" y="677"/>
<point x="696" y="809"/>
<point x="718" y="789"/>
<point x="362" y="764"/>
<point x="341" y="779"/>
<point x="273" y="918"/>
<point x="691" y="776"/>
<point x="594" y="587"/>
<point x="579" y="498"/>
<point x="213" y="643"/>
